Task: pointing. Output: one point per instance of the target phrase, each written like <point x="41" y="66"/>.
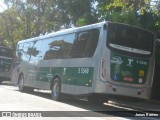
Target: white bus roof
<point x="66" y="31"/>
<point x="76" y="29"/>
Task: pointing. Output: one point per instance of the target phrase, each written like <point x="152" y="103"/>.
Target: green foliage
<point x="86" y="20"/>
<point x="30" y="18"/>
<point x="135" y="12"/>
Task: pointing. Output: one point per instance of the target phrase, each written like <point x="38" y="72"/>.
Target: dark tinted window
<point x="125" y="37"/>
<point x="29" y="51"/>
<point x="5" y="64"/>
<point x="46" y="48"/>
<point x="21" y="52"/>
<point x="26" y="55"/>
<point x="68" y="44"/>
<point x="52" y="47"/>
<point x="34" y="51"/>
<point x="58" y="47"/>
<point x="130" y="39"/>
<point x="81" y="44"/>
<point x="85" y="43"/>
<point x="6" y="52"/>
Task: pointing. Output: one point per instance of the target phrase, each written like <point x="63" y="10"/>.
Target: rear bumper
<point x="136" y="92"/>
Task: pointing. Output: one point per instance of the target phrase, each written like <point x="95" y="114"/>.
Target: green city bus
<point x="96" y="61"/>
<point x="6" y="59"/>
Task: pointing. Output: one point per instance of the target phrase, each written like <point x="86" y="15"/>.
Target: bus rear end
<point x="6" y="58"/>
<point x="131" y="61"/>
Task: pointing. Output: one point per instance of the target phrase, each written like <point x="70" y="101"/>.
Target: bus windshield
<point x="6" y="52"/>
<point x="125" y="38"/>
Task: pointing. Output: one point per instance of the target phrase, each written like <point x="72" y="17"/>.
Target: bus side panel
<point x="78" y="77"/>
<point x="101" y="73"/>
<point x="75" y="74"/>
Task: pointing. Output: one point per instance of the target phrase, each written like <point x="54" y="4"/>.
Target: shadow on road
<point x="104" y="109"/>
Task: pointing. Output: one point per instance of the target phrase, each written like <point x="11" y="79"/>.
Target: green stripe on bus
<point x="79" y="76"/>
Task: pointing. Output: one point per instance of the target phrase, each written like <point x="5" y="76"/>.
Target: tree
<point x="30" y="18"/>
<point x="76" y="12"/>
<point x="36" y="16"/>
<point x="7" y="28"/>
<point x="135" y="12"/>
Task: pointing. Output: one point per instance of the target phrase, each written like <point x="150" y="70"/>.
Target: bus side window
<point x="69" y="39"/>
<point x="79" y="45"/>
<point x="34" y="51"/>
<point x="46" y="49"/>
<point x="17" y="55"/>
<point x="22" y="52"/>
<point x="19" y="52"/>
<point x="58" y="47"/>
<point x="92" y="43"/>
<point x="52" y="48"/>
<point x="26" y="54"/>
<point x="85" y="44"/>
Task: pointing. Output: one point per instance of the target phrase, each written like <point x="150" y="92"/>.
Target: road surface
<point x="40" y="106"/>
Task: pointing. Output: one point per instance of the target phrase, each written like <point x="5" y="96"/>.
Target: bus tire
<point x="21" y="83"/>
<point x="56" y="89"/>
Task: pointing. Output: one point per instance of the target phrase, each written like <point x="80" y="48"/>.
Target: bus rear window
<point x="130" y="39"/>
<point x="6" y="52"/>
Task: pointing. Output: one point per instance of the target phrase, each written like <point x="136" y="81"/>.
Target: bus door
<point x="26" y="63"/>
<point x="34" y="58"/>
<point x="44" y="69"/>
<point x="21" y="63"/>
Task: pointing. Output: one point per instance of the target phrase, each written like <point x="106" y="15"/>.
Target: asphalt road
<point x="39" y="103"/>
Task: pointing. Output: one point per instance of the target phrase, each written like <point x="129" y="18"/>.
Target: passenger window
<point x="46" y="48"/>
<point x="68" y="43"/>
<point x="19" y="52"/>
<point x="92" y="44"/>
<point x="34" y="51"/>
<point x="53" y="47"/>
<point x="22" y="52"/>
<point x="58" y="47"/>
<point x="26" y="56"/>
<point x="85" y="43"/>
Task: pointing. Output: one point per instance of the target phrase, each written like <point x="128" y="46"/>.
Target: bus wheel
<point x="97" y="99"/>
<point x="55" y="89"/>
<point x="21" y="83"/>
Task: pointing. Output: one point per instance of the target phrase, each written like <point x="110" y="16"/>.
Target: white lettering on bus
<point x="83" y="70"/>
<point x="116" y="60"/>
<point x="141" y="62"/>
<point x="64" y="71"/>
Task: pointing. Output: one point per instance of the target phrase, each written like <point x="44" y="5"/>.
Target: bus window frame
<point x="128" y="52"/>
